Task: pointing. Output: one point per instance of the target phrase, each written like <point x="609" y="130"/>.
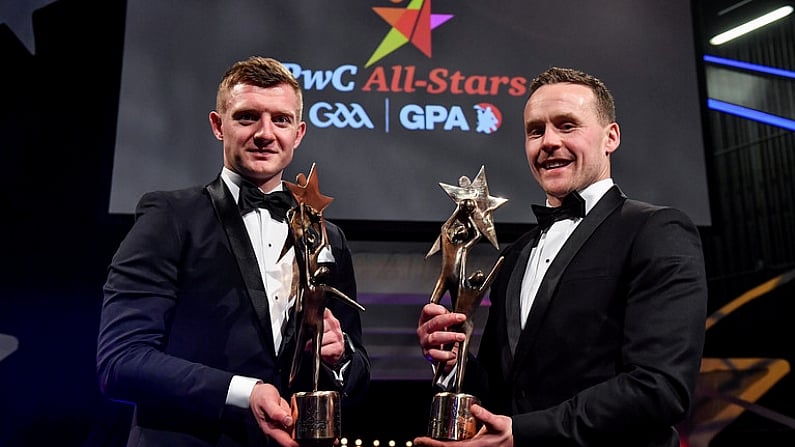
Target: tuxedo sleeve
<point x="140" y="297"/>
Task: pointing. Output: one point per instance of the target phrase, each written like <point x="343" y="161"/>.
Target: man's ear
<point x="613" y="138"/>
<point x="215" y="125"/>
<point x="299" y="135"/>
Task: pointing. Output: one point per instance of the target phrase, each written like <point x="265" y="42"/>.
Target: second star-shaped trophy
<point x="451" y="418"/>
<point x="316" y="413"/>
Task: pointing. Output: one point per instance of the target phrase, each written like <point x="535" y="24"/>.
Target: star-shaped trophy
<point x="316" y="413"/>
<point x="451" y="418"/>
<point x="478" y="191"/>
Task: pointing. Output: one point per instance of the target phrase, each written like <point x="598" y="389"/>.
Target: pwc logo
<point x="402" y="87"/>
<point x="413" y="23"/>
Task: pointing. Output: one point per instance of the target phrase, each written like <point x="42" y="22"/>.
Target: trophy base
<point x="316" y="417"/>
<point x="451" y="418"/>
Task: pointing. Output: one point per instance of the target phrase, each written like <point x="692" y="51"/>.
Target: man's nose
<point x="551" y="138"/>
<point x="264" y="129"/>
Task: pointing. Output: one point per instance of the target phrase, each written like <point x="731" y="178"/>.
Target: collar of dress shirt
<point x="593" y="193"/>
<point x="233" y="181"/>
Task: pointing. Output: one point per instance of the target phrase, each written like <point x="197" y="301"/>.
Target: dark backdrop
<point x="58" y="122"/>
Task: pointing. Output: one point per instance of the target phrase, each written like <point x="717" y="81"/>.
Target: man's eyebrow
<point x="563" y="116"/>
<point x="534" y="123"/>
<point x="243" y="110"/>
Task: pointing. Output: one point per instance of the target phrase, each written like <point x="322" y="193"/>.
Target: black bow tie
<point x="277" y="202"/>
<point x="573" y="206"/>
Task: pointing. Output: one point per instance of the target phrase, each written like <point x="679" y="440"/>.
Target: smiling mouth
<point x="261" y="151"/>
<point x="554" y="164"/>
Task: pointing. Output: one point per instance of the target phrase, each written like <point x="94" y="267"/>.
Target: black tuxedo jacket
<point x="612" y="346"/>
<point x="185" y="309"/>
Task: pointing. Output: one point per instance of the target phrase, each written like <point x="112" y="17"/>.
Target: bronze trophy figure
<point x="471" y="220"/>
<point x="316" y="413"/>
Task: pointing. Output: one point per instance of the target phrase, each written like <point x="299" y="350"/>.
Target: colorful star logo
<point x="411" y="24"/>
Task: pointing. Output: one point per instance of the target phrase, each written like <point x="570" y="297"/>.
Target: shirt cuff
<point x="337" y="372"/>
<point x="240" y="389"/>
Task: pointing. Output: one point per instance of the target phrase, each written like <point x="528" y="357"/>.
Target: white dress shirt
<point x="267" y="239"/>
<point x="549" y="244"/>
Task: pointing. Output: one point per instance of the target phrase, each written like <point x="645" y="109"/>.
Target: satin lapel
<point x="513" y="291"/>
<point x="228" y="213"/>
<point x="606" y="205"/>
